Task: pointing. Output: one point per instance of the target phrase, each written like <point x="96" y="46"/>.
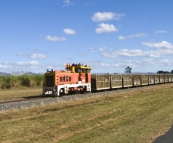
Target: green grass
<point x="136" y="116"/>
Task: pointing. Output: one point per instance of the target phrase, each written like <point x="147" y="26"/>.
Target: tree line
<point x="165" y="71"/>
<point x="128" y="70"/>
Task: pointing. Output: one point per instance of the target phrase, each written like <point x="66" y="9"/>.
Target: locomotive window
<point x="61" y="79"/>
<point x="64" y="78"/>
<point x="69" y="78"/>
<point x="83" y="70"/>
<point x="88" y="71"/>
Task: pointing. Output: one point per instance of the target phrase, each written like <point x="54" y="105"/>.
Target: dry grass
<point x="136" y="116"/>
<point x="11" y="94"/>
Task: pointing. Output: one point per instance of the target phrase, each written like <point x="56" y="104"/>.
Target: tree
<point x="163" y="72"/>
<point x="160" y="72"/>
<point x="172" y="71"/>
<point x="128" y="69"/>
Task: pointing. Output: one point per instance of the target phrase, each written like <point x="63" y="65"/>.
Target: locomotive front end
<point x="75" y="79"/>
<point x="49" y="86"/>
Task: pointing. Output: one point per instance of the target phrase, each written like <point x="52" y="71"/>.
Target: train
<point x="77" y="78"/>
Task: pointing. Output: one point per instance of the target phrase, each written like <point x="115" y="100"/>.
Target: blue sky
<point x="108" y="35"/>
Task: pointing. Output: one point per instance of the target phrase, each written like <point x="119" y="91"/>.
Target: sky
<point x="109" y="35"/>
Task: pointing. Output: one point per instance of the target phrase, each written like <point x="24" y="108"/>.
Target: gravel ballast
<point x="49" y="100"/>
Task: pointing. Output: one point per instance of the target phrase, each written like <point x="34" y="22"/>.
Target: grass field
<point x="136" y="116"/>
<point x="19" y="93"/>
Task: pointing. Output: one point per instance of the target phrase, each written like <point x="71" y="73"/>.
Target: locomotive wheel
<point x="55" y="94"/>
<point x="43" y="94"/>
<point x="82" y="92"/>
<point x="70" y="91"/>
<point x="60" y="93"/>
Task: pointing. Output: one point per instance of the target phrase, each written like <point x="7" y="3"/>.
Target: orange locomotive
<point x="76" y="78"/>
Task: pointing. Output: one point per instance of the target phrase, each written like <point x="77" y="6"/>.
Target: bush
<point x="8" y="82"/>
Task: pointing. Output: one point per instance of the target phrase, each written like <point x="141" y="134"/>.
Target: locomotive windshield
<point x="49" y="81"/>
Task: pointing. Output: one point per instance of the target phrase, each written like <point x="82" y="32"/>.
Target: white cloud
<point x="161" y="45"/>
<point x="102" y="48"/>
<point x="26" y="66"/>
<point x="5" y="65"/>
<point x="132" y="63"/>
<point x="91" y="50"/>
<point x="138" y="53"/>
<point x="121" y="37"/>
<point x="106" y="65"/>
<point x="132" y="53"/>
<point x="105" y="28"/>
<point x="132" y="36"/>
<point x="67" y="3"/>
<point x="163" y="49"/>
<point x="166" y="62"/>
<point x="38" y="56"/>
<point x="19" y="66"/>
<point x="105" y="16"/>
<point x="124" y="63"/>
<point x="54" y="38"/>
<point x="69" y="31"/>
<point x="82" y="54"/>
<point x="31" y="63"/>
<point x="153" y="62"/>
<point x="53" y="65"/>
<point x="29" y="66"/>
<point x="160" y="31"/>
<point x="34" y="56"/>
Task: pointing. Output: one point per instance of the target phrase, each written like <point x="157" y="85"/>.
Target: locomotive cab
<point x="84" y="72"/>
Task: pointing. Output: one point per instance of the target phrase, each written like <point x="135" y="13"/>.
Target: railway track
<point x="20" y="100"/>
<point x="40" y="100"/>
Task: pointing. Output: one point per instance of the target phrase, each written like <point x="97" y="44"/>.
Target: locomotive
<point x="77" y="78"/>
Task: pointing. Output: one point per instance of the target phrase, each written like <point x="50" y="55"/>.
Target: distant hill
<point x="18" y="73"/>
<point x="4" y="73"/>
<point x="30" y="73"/>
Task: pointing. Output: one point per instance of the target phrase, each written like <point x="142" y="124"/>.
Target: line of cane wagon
<point x="77" y="78"/>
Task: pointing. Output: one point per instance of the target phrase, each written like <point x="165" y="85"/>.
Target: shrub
<point x="8" y="82"/>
